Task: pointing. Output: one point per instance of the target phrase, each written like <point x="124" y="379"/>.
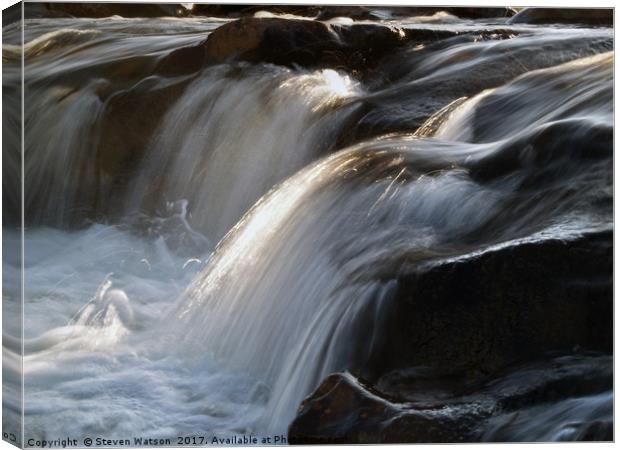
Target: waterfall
<point x="236" y="132"/>
<point x="313" y="287"/>
<point x="205" y="243"/>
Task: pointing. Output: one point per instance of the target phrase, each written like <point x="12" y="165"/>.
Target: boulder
<point x="584" y="16"/>
<point x="416" y="407"/>
<point x="478" y="313"/>
<point x="105" y="10"/>
<point x="304" y="43"/>
<point x="344" y="410"/>
<point x="237" y="11"/>
<point x="480" y="13"/>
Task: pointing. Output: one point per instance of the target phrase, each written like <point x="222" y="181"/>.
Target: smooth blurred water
<point x="265" y="260"/>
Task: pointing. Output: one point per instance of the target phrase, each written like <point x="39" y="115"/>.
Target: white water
<point x="109" y="370"/>
<point x="135" y="328"/>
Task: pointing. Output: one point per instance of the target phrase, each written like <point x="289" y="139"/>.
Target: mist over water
<point x="250" y="254"/>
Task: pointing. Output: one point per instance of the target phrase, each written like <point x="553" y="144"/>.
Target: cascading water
<point x="167" y="331"/>
<point x="234" y="138"/>
<point x="312" y="285"/>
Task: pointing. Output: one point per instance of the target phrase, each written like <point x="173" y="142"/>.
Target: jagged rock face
<point x="587" y="16"/>
<point x="416" y="407"/>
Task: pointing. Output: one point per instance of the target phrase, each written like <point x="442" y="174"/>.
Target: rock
<point x="327" y="12"/>
<point x="407" y="407"/>
<point x="303" y="42"/>
<point x="585" y="16"/>
<point x="544" y="153"/>
<point x="344" y="411"/>
<point x="480" y="13"/>
<point x="248" y="39"/>
<point x="105" y="10"/>
<point x="182" y="61"/>
<point x="238" y="11"/>
<point x="478" y="313"/>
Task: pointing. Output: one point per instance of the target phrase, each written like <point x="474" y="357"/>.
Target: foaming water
<point x="104" y="366"/>
<point x="247" y="259"/>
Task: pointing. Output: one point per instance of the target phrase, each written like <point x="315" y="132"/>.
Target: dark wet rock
<point x="344" y="411"/>
<point x="356" y="12"/>
<point x="475" y="343"/>
<point x="478" y="313"/>
<point x="544" y="152"/>
<point x="415" y="406"/>
<point x="309" y="43"/>
<point x="584" y="16"/>
<point x="97" y="10"/>
<point x="182" y="61"/>
<point x="353" y="12"/>
<point x="235" y="11"/>
<point x="480" y="13"/>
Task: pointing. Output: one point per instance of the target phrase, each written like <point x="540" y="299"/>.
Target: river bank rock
<point x="98" y="10"/>
<point x="309" y="43"/>
<point x="584" y="16"/>
<point x="411" y="407"/>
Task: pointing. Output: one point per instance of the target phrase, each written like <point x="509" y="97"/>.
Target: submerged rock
<point x="415" y="407"/>
<point x="413" y="92"/>
<point x="586" y="16"/>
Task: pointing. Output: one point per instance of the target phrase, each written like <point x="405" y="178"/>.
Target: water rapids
<point x="205" y="245"/>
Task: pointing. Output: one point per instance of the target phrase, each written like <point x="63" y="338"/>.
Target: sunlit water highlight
<point x="154" y="325"/>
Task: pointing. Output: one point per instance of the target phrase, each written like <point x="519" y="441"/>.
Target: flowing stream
<point x="249" y="255"/>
